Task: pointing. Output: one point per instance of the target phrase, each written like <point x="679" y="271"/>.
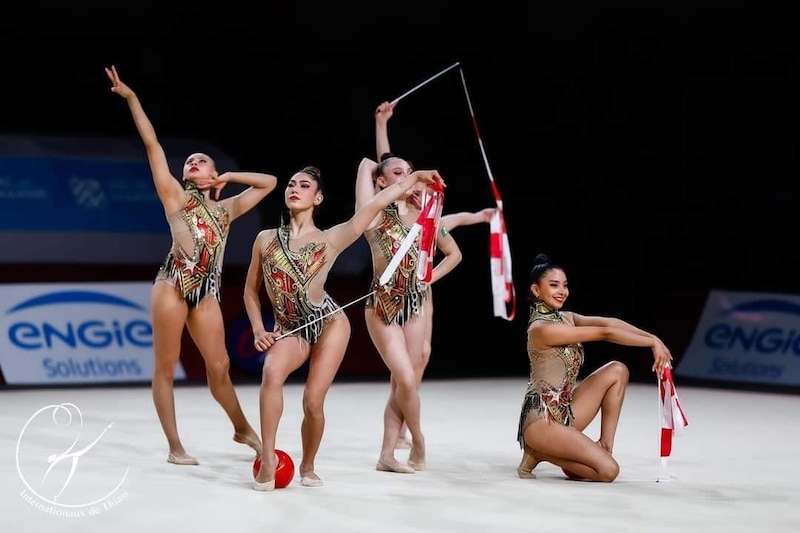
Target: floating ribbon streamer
<point x="504" y="297"/>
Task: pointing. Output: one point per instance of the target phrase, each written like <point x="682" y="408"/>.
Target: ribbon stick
<point x="323" y="317"/>
<point x="451" y="67"/>
<point x="504" y="297"/>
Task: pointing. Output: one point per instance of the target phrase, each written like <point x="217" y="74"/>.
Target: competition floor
<point x="736" y="466"/>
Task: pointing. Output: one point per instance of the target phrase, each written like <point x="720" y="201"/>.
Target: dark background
<point x="650" y="149"/>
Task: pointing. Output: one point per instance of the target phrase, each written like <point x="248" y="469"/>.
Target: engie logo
<point x="86" y="333"/>
<point x="746" y="337"/>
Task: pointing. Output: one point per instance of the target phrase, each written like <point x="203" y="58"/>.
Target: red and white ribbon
<point x="672" y="417"/>
<point x="430" y="216"/>
<point x="433" y="200"/>
<point x="503" y="294"/>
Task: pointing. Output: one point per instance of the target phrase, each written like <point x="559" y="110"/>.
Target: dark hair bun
<point x="541" y="259"/>
<point x="314" y="172"/>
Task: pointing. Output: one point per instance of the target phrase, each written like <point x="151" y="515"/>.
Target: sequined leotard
<point x="404" y="295"/>
<point x="289" y="280"/>
<point x="552" y="380"/>
<point x="199" y="233"/>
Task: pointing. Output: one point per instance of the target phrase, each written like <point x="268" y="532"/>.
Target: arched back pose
<point x="187" y="288"/>
<point x="555" y="410"/>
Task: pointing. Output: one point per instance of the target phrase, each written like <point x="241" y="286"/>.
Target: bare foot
<point x="393" y="465"/>
<point x="250" y="438"/>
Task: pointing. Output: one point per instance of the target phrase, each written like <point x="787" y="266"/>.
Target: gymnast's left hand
<point x="218" y="183"/>
<point x="662" y="357"/>
<point x="429" y="177"/>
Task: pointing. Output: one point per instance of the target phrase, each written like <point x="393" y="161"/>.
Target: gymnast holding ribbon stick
<point x="445" y="225"/>
<point x="293" y="262"/>
<point x="403" y="239"/>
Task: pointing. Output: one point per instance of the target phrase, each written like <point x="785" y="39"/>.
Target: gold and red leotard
<point x="404" y="295"/>
<point x="287" y="278"/>
<point x="199" y="233"/>
<point x="554" y="372"/>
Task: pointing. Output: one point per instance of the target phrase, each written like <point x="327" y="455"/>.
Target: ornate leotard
<point x="554" y="372"/>
<point x="404" y="295"/>
<point x="287" y="278"/>
<point x="199" y="233"/>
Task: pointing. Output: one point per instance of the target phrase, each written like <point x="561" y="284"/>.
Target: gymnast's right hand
<point x="265" y="339"/>
<point x="116" y="84"/>
<point x="384" y="112"/>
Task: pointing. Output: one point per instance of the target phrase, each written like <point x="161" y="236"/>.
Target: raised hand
<point x="116" y="84"/>
<point x="384" y="112"/>
<point x="218" y="182"/>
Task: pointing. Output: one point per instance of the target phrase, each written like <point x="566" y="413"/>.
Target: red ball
<point x="284" y="472"/>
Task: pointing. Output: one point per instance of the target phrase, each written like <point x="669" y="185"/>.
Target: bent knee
<point x="608" y="471"/>
<point x="619" y="370"/>
<point x="272" y="375"/>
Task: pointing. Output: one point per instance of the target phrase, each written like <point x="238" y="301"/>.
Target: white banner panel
<point x="746" y="337"/>
<point x="61" y="333"/>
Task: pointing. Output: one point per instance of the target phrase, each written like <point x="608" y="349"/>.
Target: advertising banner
<point x="72" y="333"/>
<point x="92" y="200"/>
<point x="70" y="194"/>
<point x="746" y="337"/>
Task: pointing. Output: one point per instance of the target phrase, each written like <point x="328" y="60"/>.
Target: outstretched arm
<point x="465" y="218"/>
<point x="581" y="320"/>
<point x="554" y="334"/>
<point x="346" y="233"/>
<point x="169" y="190"/>
<point x="260" y="186"/>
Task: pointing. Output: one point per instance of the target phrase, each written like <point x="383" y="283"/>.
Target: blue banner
<point x="86" y="195"/>
<point x="745" y="337"/>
